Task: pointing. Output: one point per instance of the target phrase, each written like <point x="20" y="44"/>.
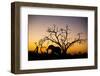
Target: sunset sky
<point x="38" y="25"/>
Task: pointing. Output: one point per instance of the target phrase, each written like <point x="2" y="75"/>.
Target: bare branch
<point x="47" y="38"/>
<point x="70" y="44"/>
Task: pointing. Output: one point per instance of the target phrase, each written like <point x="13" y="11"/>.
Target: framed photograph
<point x="52" y="37"/>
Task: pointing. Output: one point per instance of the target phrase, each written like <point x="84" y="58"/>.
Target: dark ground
<point x="52" y="56"/>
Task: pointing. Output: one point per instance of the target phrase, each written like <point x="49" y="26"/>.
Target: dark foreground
<point x="45" y="56"/>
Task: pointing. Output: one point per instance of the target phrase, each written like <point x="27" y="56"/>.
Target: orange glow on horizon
<point x="74" y="49"/>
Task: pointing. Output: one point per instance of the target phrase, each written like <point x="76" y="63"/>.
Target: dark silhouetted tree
<point x="61" y="37"/>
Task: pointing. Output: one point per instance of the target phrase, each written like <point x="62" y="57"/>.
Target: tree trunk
<point x="64" y="51"/>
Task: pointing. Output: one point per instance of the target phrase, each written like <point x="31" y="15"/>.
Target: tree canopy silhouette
<point x="60" y="36"/>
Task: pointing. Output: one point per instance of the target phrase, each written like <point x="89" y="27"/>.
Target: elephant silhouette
<point x="54" y="50"/>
